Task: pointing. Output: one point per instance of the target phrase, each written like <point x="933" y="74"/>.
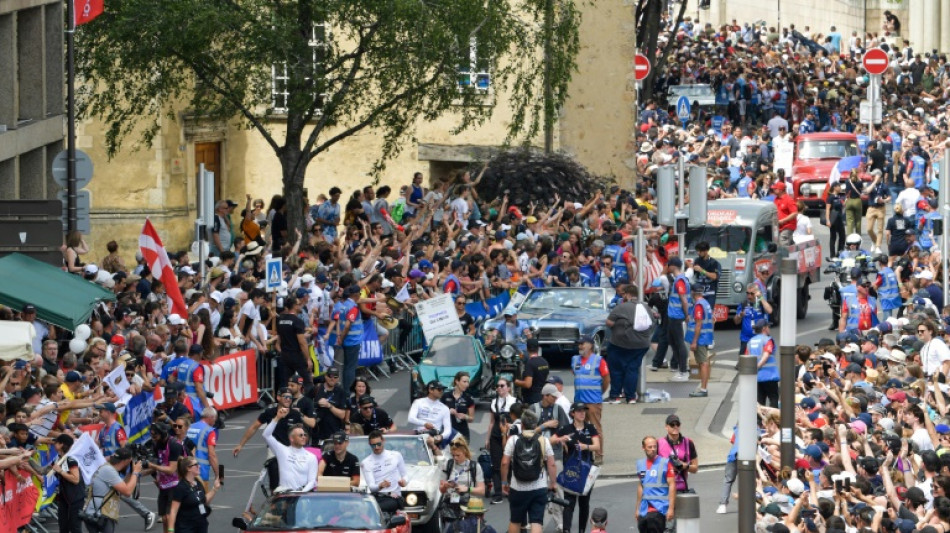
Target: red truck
<point x="814" y="157"/>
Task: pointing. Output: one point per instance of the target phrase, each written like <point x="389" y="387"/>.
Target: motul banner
<point x="233" y="379"/>
<point x="18" y="502"/>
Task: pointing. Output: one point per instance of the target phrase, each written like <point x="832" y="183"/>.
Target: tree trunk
<point x="660" y="65"/>
<point x="651" y="31"/>
<point x="293" y="164"/>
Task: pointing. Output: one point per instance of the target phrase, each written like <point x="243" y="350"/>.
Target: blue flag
<point x="138" y="416"/>
<point x="371" y="351"/>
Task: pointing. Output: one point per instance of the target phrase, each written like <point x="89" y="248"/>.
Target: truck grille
<point x="558" y="334"/>
<point x="724" y="290"/>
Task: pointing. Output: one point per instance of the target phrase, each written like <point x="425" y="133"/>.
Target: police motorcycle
<point x="841" y="267"/>
<point x="506" y="359"/>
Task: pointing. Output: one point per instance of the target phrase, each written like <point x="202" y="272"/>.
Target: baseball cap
<point x="367" y="400"/>
<point x="897" y="396"/>
<point x="195" y="349"/>
<point x="675" y="262"/>
<point x="28" y="308"/>
<point x="671" y="419"/>
<point x="108" y="406"/>
<point x="352" y="289"/>
<point x="435" y="384"/>
<point x="915" y="495"/>
<point x="296" y="378"/>
<point x="301" y="292"/>
<point x="578" y="406"/>
<point x="555" y="380"/>
<point x="30" y="392"/>
<point x="175" y="319"/>
<point x="924" y="274"/>
<point x="72" y="376"/>
<point x="778" y="186"/>
<point x="339" y="437"/>
<point x="332" y="371"/>
<point x="307" y="278"/>
<point x="813" y="451"/>
<point x="118" y="340"/>
<point x="549" y="390"/>
<point x="795" y="486"/>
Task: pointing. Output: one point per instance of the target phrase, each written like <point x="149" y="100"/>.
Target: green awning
<point x="62" y="299"/>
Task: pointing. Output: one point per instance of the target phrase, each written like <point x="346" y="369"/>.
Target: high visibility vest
<point x="706" y="329"/>
<point x="889" y="291"/>
<point x="198" y="433"/>
<point x="854" y="312"/>
<point x="675" y="308"/>
<point x="354" y="337"/>
<point x="587" y="379"/>
<point x="769" y="371"/>
<point x="109" y="439"/>
<point x="186" y="374"/>
<point x="917" y="172"/>
<point x="656" y="487"/>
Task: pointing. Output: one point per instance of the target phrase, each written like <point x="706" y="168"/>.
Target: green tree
<point x="342" y="66"/>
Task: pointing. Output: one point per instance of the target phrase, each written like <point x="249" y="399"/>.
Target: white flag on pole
<point x="85" y="451"/>
<point x="117" y="382"/>
<point x="403" y="295"/>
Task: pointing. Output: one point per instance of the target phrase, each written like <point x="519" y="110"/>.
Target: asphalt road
<point x="616" y="495"/>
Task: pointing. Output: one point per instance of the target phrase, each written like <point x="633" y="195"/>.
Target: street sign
<point x="875" y="61"/>
<point x="275" y="273"/>
<point x="717" y="122"/>
<point x="641" y="67"/>
<point x="83" y="169"/>
<point x="683" y="109"/>
<point x="83" y="207"/>
<point x="866" y="116"/>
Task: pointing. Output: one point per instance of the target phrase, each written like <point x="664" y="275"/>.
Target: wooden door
<point x="210" y="155"/>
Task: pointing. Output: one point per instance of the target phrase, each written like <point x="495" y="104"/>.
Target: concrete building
<point x="32" y="97"/>
<point x="596" y="126"/>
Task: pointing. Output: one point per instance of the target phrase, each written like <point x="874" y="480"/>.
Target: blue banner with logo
<point x="138" y="416"/>
<point x="495" y="305"/>
<point x="371" y="351"/>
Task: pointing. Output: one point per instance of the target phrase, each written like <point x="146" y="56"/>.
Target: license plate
<point x="413" y="516"/>
<point x="720" y="313"/>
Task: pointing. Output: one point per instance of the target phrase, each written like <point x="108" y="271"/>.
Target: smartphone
<point x="221" y="473"/>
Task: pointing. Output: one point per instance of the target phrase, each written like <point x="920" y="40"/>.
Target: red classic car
<point x="324" y="512"/>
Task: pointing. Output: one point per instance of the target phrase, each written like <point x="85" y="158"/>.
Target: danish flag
<point x="157" y="261"/>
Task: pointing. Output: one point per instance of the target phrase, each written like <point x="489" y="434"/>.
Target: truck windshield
<point x="726" y="238"/>
<point x="827" y="149"/>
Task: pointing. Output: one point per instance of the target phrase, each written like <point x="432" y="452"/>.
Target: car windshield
<point x="561" y="299"/>
<point x="319" y="511"/>
<point x="726" y="238"/>
<point x="412" y="448"/>
<point x="692" y="91"/>
<point x="451" y="351"/>
<point x="827" y="149"/>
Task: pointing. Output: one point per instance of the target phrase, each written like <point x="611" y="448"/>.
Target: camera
<point x="552" y="498"/>
<point x="143" y="453"/>
<point x="93" y="520"/>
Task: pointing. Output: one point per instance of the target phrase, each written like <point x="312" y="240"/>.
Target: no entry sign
<point x="875" y="61"/>
<point x="641" y="67"/>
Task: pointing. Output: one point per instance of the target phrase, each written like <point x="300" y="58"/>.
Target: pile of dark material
<point x="536" y="177"/>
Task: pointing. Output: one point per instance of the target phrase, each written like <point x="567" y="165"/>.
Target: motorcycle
<point x="841" y="268"/>
<point x="506" y="361"/>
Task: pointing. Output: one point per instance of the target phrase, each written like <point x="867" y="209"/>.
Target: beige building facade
<point x="159" y="182"/>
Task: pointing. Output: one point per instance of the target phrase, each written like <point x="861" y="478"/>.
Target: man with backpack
<point x="551" y="417"/>
<point x="530" y="459"/>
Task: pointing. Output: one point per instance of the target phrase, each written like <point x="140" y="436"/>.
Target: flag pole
<point x="71" y="192"/>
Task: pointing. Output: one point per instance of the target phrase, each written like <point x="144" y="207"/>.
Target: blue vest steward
<point x="109" y="439"/>
<point x="927" y="229"/>
<point x="705" y="330"/>
<point x="198" y="433"/>
<point x="355" y="336"/>
<point x="675" y="308"/>
<point x="917" y="173"/>
<point x="781" y="104"/>
<point x="619" y="275"/>
<point x="186" y="374"/>
<point x="889" y="292"/>
<point x="742" y="189"/>
<point x="848" y="292"/>
<point x="751" y="314"/>
<point x="896" y="140"/>
<point x="615" y="252"/>
<point x="656" y="488"/>
<point x="587" y="270"/>
<point x="458" y="284"/>
<point x="769" y="371"/>
<point x="587" y="379"/>
<point x="854" y="312"/>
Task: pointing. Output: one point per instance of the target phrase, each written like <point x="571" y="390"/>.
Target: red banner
<point x="86" y="10"/>
<point x="233" y="379"/>
<point x="18" y="501"/>
<point x="92" y="430"/>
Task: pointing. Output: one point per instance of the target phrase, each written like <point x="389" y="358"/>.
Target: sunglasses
<point x="178" y="426"/>
<point x="192" y="465"/>
<point x="674" y="424"/>
<point x="500" y="386"/>
<point x="287" y="396"/>
<point x="376" y="445"/>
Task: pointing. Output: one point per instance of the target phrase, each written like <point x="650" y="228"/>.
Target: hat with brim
<point x="475" y="506"/>
<point x="253" y="249"/>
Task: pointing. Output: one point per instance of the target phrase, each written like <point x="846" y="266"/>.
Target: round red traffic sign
<point x="641" y="67"/>
<point x="875" y="61"/>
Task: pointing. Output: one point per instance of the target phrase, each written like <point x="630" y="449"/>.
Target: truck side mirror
<point x="772" y="248"/>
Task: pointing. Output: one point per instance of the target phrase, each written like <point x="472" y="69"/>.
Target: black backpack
<point x="528" y="458"/>
<point x="471" y="471"/>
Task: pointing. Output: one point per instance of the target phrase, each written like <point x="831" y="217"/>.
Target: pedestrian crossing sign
<point x="275" y="273"/>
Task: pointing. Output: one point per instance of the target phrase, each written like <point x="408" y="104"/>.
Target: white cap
<point x="851" y="348"/>
<point x="187" y="270"/>
<point x="578" y="205"/>
<point x="217" y="296"/>
<point x="387" y="284"/>
<point x="306" y="278"/>
<point x="924" y="274"/>
<point x="91" y="269"/>
<point x="175" y="319"/>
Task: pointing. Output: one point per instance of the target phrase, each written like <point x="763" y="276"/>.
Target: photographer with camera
<point x="101" y="512"/>
<point x="111" y="439"/>
<point x="577" y="436"/>
<point x="167" y="450"/>
<point x="680" y="451"/>
<point x="656" y="501"/>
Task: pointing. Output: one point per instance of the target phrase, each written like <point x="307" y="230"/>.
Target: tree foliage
<point x="350" y="65"/>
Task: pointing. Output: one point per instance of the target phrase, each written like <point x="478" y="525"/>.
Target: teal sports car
<point x="448" y="355"/>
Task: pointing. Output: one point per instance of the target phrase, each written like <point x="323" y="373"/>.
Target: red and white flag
<point x="86" y="10"/>
<point x="157" y="261"/>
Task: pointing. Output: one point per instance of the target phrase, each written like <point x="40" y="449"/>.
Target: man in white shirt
<point x="385" y="473"/>
<point x="908" y="199"/>
<point x="297" y="466"/>
<point x="935" y="355"/>
<point x="429" y="413"/>
<point x="528" y="496"/>
<point x="460" y="208"/>
<point x="775" y="123"/>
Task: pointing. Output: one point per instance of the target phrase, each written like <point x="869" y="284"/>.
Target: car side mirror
<point x="240" y="523"/>
<point x="396" y="521"/>
<point x="772" y="248"/>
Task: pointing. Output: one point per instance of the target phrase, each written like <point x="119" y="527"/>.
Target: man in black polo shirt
<point x="707" y="271"/>
<point x="302" y="403"/>
<point x="340" y="462"/>
<point x="331" y="405"/>
<point x="294" y="352"/>
<point x="370" y="417"/>
<point x="535" y="373"/>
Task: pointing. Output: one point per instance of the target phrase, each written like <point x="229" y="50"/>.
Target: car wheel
<point x="434" y="525"/>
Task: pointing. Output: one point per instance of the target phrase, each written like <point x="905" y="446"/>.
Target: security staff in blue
<point x="205" y="438"/>
<point x="699" y="337"/>
<point x="847" y="292"/>
<point x="591" y="381"/>
<point x="616" y="250"/>
<point x="191" y="373"/>
<point x="656" y="503"/>
<point x="887" y="286"/>
<point x="755" y="308"/>
<point x="917" y="168"/>
<point x="680" y="302"/>
<point x="762" y="347"/>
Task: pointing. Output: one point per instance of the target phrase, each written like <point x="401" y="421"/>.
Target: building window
<point x="280" y="74"/>
<point x="474" y="67"/>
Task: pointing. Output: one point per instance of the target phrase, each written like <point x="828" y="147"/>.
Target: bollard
<point x="687" y="513"/>
<point x="748" y="440"/>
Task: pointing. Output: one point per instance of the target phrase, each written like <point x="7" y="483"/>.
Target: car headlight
<point x="737" y="286"/>
<point x="412" y="499"/>
<point x="508" y="351"/>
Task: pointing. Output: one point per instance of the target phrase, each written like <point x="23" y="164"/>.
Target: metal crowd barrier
<point x="266" y="371"/>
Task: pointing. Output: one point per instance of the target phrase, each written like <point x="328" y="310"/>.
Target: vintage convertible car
<point x="561" y="315"/>
<point x="326" y="512"/>
<point x="422" y="492"/>
<point x="447" y="355"/>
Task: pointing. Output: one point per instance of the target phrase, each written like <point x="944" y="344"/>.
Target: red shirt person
<point x="787" y="213"/>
